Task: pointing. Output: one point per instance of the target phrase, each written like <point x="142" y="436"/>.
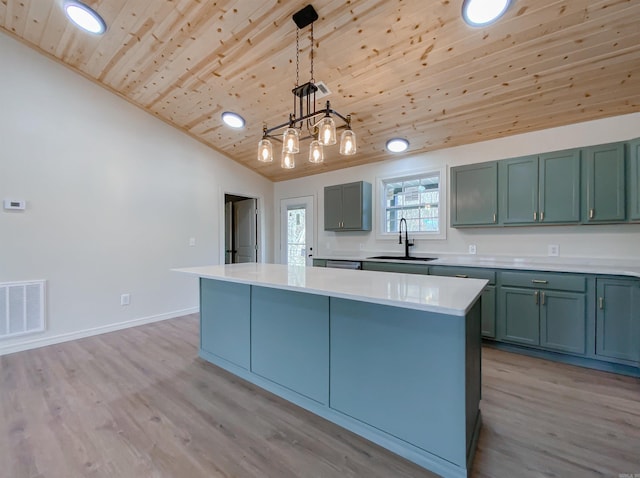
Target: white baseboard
<point x="56" y="339"/>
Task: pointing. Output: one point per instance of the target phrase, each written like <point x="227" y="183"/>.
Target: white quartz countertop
<point x="445" y="295"/>
<point x="630" y="267"/>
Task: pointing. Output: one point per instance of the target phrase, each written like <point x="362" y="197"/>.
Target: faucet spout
<point x="407" y="244"/>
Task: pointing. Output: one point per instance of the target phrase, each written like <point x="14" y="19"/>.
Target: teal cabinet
<point x="543" y="309"/>
<point x="540" y="189"/>
<point x="290" y="340"/>
<point x="395" y="267"/>
<point x="347" y="207"/>
<point x="488" y="302"/>
<point x="518" y="184"/>
<point x="634" y="180"/>
<point x="603" y="185"/>
<point x="319" y="263"/>
<point x="618" y="319"/>
<point x="225" y="317"/>
<point x="474" y="195"/>
<point x="559" y="187"/>
<point x="562" y="321"/>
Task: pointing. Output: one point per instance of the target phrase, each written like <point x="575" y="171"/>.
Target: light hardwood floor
<point x="139" y="403"/>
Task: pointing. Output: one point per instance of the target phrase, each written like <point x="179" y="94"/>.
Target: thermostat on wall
<point x="14" y="204"/>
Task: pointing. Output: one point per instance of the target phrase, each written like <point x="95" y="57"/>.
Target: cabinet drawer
<point x="464" y="272"/>
<point x="545" y="280"/>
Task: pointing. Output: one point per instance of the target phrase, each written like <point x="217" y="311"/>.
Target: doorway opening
<point x="241" y="229"/>
<point x="297" y="233"/>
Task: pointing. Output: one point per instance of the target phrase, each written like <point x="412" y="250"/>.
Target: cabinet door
<point x="488" y="312"/>
<point x="618" y="319"/>
<point x="395" y="267"/>
<point x="634" y="180"/>
<point x="521" y="315"/>
<point x="604" y="184"/>
<point x="474" y="194"/>
<point x="352" y="206"/>
<point x="559" y="184"/>
<point x="563" y="321"/>
<point x="332" y="207"/>
<point x="225" y="319"/>
<point x="518" y="185"/>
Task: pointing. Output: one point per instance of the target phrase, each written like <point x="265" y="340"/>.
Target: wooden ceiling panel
<point x="400" y="67"/>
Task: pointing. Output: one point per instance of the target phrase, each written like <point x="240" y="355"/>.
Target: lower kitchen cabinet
<point x="395" y="267"/>
<point x="533" y="313"/>
<point x="488" y="312"/>
<point x="618" y="319"/>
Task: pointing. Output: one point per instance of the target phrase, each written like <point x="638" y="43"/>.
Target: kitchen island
<point x="392" y="357"/>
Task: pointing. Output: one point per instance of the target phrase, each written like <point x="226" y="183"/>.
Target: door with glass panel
<point x="297" y="231"/>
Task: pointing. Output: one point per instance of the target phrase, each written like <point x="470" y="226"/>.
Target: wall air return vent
<point x="22" y="306"/>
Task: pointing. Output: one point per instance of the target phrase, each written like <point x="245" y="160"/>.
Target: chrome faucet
<point x="407" y="244"/>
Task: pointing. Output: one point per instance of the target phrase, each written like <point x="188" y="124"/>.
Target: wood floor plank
<point x="140" y="403"/>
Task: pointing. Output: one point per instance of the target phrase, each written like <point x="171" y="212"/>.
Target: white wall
<point x="113" y="196"/>
<point x="607" y="241"/>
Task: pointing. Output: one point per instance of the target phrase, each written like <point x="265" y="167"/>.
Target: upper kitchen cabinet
<point x="634" y="180"/>
<point x="603" y="183"/>
<point x="540" y="189"/>
<point x="347" y="207"/>
<point x="474" y="194"/>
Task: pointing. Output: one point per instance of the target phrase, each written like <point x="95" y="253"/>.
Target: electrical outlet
<point x="553" y="250"/>
<point x="472" y="249"/>
<point x="192" y="241"/>
<point x="125" y="299"/>
<point x="361" y="247"/>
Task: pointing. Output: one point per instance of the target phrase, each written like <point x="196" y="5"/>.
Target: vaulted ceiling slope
<point x="409" y="68"/>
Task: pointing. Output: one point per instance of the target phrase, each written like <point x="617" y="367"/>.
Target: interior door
<point x="245" y="237"/>
<point x="297" y="231"/>
<point x="228" y="233"/>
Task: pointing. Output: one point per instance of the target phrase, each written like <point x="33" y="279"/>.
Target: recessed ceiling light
<point x="233" y="119"/>
<point x="478" y="13"/>
<point x="85" y="17"/>
<point x="397" y="145"/>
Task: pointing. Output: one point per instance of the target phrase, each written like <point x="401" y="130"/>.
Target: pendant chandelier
<point x="302" y="124"/>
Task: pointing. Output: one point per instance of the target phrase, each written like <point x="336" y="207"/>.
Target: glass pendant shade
<point x="291" y="141"/>
<point x="327" y="131"/>
<point x="316" y="152"/>
<point x="265" y="151"/>
<point x="348" y="143"/>
<point x="288" y="160"/>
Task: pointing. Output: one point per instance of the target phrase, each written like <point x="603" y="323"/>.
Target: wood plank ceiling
<point x="408" y="68"/>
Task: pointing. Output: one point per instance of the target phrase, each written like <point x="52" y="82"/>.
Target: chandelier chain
<point x="297" y="57"/>
<point x="313" y="80"/>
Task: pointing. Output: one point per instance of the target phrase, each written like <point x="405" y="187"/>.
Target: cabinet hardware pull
<point x="494" y="217"/>
<point x="462" y="276"/>
<point x="535" y="296"/>
<point x="539" y="281"/>
<point x="541" y="216"/>
<point x="535" y="215"/>
<point x="592" y="213"/>
<point x="601" y="303"/>
<point x="542" y="298"/>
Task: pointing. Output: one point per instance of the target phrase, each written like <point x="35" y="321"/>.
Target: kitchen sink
<point x="403" y="258"/>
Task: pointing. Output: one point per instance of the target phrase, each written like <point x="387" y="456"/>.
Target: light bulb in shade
<point x="291" y="140"/>
<point x="479" y="13"/>
<point x="265" y="151"/>
<point x="327" y="131"/>
<point x="348" y="145"/>
<point x="316" y="152"/>
<point x="288" y="160"/>
<point x="85" y="17"/>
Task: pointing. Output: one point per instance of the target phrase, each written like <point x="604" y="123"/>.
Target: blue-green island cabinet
<point x="488" y="297"/>
<point x="603" y="183"/>
<point x="474" y="194"/>
<point x="618" y="319"/>
<point x="543" y="309"/>
<point x="347" y="207"/>
<point x="540" y="189"/>
<point x="634" y="180"/>
<point x="406" y="379"/>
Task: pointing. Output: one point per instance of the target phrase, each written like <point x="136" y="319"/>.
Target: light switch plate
<point x="472" y="249"/>
<point x="553" y="250"/>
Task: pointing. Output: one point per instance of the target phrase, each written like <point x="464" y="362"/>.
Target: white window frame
<point x="403" y="176"/>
